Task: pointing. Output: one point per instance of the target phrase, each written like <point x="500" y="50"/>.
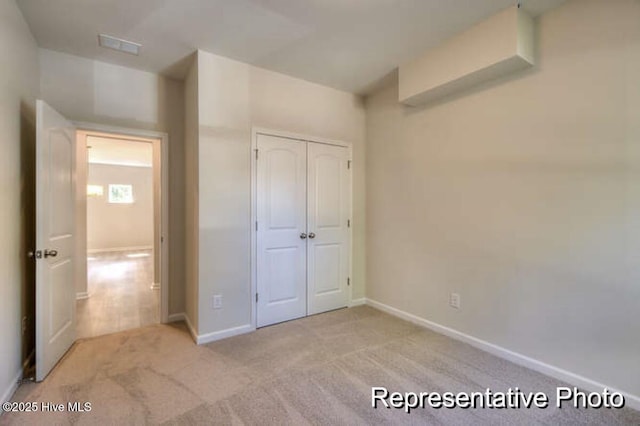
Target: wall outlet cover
<point x="454" y="300"/>
<point x="217" y="301"/>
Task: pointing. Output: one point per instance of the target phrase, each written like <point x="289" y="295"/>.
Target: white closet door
<point x="328" y="187"/>
<point x="281" y="235"/>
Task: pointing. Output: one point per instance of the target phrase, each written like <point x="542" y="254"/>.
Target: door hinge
<point x="256" y="153"/>
<point x="256" y="225"/>
<point x="349" y="164"/>
<point x="348" y="223"/>
<point x="348" y="281"/>
<point x="256" y="297"/>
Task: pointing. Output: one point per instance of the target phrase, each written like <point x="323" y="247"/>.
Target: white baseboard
<point x="358" y="302"/>
<point x="201" y="339"/>
<point x="192" y="330"/>
<point x="223" y="334"/>
<point x="155" y="286"/>
<point x="176" y="317"/>
<point x="632" y="401"/>
<point x="11" y="389"/>
<point x="82" y="295"/>
<point x="112" y="249"/>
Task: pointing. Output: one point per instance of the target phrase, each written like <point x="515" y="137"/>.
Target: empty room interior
<point x="320" y="212"/>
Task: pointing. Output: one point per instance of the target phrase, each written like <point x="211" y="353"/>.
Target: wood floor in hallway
<point x="120" y="294"/>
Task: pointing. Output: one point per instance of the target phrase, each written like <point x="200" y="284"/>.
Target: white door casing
<point x="281" y="230"/>
<point x="55" y="214"/>
<point x="161" y="229"/>
<point x="328" y="213"/>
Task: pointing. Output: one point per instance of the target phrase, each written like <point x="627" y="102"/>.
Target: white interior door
<point x="281" y="230"/>
<point x="328" y="194"/>
<point x="55" y="209"/>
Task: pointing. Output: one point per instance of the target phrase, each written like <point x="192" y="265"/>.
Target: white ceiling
<point x="120" y="152"/>
<point x="346" y="44"/>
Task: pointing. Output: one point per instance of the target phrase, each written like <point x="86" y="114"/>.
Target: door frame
<point x="255" y="132"/>
<point x="164" y="199"/>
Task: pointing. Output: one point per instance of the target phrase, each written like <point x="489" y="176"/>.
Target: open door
<point x="54" y="255"/>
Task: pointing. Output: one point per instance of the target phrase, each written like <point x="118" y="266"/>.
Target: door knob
<point x="50" y="253"/>
<point x="312" y="235"/>
<point x="303" y="236"/>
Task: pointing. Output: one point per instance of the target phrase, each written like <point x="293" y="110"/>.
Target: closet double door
<point x="303" y="219"/>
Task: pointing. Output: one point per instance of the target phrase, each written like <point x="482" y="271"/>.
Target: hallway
<point x="120" y="292"/>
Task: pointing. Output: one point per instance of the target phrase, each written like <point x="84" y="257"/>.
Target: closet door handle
<point x="50" y="253"/>
<point x="303" y="236"/>
<point x="312" y="235"/>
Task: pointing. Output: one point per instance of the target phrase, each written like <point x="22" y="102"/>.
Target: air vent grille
<point x="121" y="45"/>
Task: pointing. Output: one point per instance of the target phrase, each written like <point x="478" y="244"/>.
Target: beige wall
<point x="92" y="91"/>
<point x="523" y="196"/>
<point x="191" y="193"/>
<point x="18" y="91"/>
<point x="112" y="226"/>
<point x="233" y="97"/>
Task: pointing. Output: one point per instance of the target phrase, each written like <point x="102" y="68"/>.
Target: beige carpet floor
<point x="317" y="370"/>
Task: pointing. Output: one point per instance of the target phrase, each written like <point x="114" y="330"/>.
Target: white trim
<point x="255" y="131"/>
<point x="177" y="317"/>
<point x="13" y="386"/>
<point x="114" y="249"/>
<point x="81" y="295"/>
<point x="164" y="197"/>
<point x="253" y="262"/>
<point x="126" y="131"/>
<point x="358" y="302"/>
<point x="350" y="219"/>
<point x="192" y="330"/>
<point x="223" y="334"/>
<point x="201" y="339"/>
<point x="113" y="163"/>
<point x="632" y="401"/>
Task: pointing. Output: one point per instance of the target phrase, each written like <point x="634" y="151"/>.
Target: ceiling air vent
<point x="118" y="44"/>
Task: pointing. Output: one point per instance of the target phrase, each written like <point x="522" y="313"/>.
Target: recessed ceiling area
<point x="119" y="152"/>
<point x="346" y="44"/>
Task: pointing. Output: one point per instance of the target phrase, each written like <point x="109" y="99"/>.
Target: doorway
<point x="121" y="244"/>
<point x="60" y="251"/>
<point x="302" y="236"/>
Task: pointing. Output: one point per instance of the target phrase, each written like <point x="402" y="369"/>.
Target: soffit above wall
<point x="345" y="44"/>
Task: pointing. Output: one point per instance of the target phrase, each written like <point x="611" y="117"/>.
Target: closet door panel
<point x="281" y="214"/>
<point x="328" y="184"/>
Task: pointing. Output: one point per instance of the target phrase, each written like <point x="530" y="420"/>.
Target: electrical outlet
<point x="454" y="300"/>
<point x="217" y="301"/>
<point x="24" y="325"/>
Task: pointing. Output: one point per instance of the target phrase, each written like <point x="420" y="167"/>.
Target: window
<point x="121" y="194"/>
<point x="95" y="191"/>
